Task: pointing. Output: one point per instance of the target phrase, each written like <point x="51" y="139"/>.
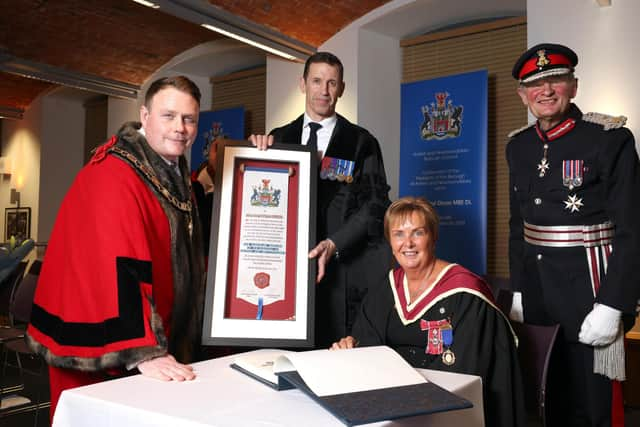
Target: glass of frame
<point x="260" y="281"/>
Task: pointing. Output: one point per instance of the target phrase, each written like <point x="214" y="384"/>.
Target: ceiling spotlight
<point x="250" y="42"/>
<point x="147" y="3"/>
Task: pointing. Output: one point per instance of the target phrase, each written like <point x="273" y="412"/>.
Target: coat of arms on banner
<point x="210" y="137"/>
<point x="442" y="119"/>
<point x="265" y="195"/>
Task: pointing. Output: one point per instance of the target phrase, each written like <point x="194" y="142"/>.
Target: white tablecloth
<point x="223" y="397"/>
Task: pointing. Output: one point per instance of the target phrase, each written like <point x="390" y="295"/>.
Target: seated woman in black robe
<point x="439" y="315"/>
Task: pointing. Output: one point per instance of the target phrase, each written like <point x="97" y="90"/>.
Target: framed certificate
<point x="260" y="281"/>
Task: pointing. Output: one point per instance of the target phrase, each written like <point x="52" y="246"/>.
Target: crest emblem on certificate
<point x="265" y="195"/>
<point x="442" y="119"/>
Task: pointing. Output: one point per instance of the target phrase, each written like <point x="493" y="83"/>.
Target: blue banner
<point x="443" y="157"/>
<point x="227" y="123"/>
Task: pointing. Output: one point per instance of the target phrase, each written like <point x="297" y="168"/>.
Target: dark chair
<point x="21" y="299"/>
<point x="7" y="332"/>
<point x="21" y="302"/>
<point x="497" y="283"/>
<point x="535" y="346"/>
<point x="7" y="286"/>
<point x="10" y="332"/>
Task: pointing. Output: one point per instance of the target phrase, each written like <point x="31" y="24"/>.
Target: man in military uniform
<point x="574" y="236"/>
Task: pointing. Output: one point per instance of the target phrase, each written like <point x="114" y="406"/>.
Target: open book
<point x="259" y="365"/>
<point x="358" y="386"/>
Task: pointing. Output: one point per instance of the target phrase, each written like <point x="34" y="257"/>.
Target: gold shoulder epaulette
<point x="606" y="121"/>
<point x="522" y="129"/>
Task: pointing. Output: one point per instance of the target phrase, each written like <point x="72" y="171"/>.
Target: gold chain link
<point x="151" y="176"/>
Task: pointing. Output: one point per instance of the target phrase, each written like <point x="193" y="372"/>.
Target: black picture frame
<point x="17" y="222"/>
<point x="219" y="326"/>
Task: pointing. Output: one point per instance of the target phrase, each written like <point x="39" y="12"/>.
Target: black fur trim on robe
<point x="187" y="256"/>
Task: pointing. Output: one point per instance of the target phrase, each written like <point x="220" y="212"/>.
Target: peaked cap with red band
<point x="544" y="60"/>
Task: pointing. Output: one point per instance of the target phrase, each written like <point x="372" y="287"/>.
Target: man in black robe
<point x="352" y="198"/>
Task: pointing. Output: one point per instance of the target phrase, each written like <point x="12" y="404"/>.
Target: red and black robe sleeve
<point x="105" y="291"/>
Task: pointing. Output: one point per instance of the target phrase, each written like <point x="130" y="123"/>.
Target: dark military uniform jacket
<point x="351" y="215"/>
<point x="557" y="282"/>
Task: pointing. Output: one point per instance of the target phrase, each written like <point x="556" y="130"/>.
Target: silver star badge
<point x="573" y="203"/>
<point x="543" y="167"/>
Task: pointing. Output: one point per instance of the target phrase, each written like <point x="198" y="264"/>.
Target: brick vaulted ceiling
<point x="124" y="41"/>
<point x="312" y="22"/>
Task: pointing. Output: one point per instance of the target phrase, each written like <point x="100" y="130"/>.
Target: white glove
<point x="601" y="326"/>
<point x="516" y="313"/>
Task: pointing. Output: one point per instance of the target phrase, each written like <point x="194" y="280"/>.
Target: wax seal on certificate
<point x="261" y="280"/>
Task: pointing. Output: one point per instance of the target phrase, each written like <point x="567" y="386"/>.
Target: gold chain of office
<point x="153" y="179"/>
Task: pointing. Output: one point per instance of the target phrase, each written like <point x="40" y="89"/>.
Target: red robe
<point x="122" y="271"/>
<point x="110" y="226"/>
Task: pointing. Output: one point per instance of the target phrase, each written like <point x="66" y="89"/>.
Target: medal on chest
<point x="543" y="166"/>
<point x="439" y="339"/>
<point x="573" y="203"/>
<point x="333" y="168"/>
<point x="572" y="177"/>
<point x="555" y="133"/>
<point x="572" y="173"/>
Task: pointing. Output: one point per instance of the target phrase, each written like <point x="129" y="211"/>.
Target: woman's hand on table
<point x="344" y="343"/>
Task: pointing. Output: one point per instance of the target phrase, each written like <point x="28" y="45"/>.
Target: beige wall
<point x="21" y="159"/>
<point x="605" y="39"/>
